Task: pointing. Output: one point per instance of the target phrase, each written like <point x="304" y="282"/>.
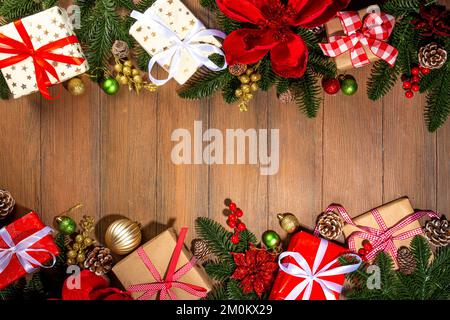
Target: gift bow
<point x="171" y="56"/>
<point x="164" y="286"/>
<point x="372" y="32"/>
<point x="22" y="249"/>
<point x="25" y="49"/>
<point x="382" y="239"/>
<point x="302" y="270"/>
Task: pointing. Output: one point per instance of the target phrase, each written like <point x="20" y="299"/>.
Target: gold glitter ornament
<point x="288" y="222"/>
<point x="123" y="236"/>
<point x="76" y="86"/>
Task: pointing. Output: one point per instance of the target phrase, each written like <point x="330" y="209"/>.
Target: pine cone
<point x="405" y="260"/>
<point x="432" y="56"/>
<point x="286" y="97"/>
<point x="237" y="69"/>
<point x="99" y="260"/>
<point x="7" y="203"/>
<point x="438" y="231"/>
<point x="120" y="49"/>
<point x="201" y="250"/>
<point x="330" y="225"/>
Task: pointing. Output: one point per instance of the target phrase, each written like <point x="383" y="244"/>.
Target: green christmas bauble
<point x="349" y="86"/>
<point x="66" y="225"/>
<point x="110" y="86"/>
<point x="271" y="239"/>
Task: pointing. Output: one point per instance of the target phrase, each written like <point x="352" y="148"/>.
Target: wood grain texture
<point x="443" y="170"/>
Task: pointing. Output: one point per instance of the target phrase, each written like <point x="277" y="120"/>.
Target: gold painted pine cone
<point x="432" y="56"/>
<point x="7" y="203"/>
<point x="330" y="225"/>
<point x="438" y="231"/>
<point x="99" y="260"/>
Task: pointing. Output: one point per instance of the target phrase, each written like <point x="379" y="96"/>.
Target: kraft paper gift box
<point x="43" y="28"/>
<point x="132" y="271"/>
<point x="180" y="20"/>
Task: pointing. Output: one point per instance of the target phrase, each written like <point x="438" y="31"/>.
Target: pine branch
<point x="226" y="24"/>
<point x="47" y="4"/>
<point x="220" y="271"/>
<point x="283" y="85"/>
<point x="322" y="65"/>
<point x="399" y="8"/>
<point x="382" y="79"/>
<point x="144" y="5"/>
<point x="4" y="89"/>
<point x="217" y="238"/>
<point x="245" y="239"/>
<point x="34" y="289"/>
<point x="234" y="292"/>
<point x="218" y="292"/>
<point x="308" y="36"/>
<point x="204" y="83"/>
<point x="127" y="4"/>
<point x="11" y="10"/>
<point x="228" y="92"/>
<point x="142" y="58"/>
<point x="267" y="76"/>
<point x="307" y="94"/>
<point x="210" y="4"/>
<point x="431" y="80"/>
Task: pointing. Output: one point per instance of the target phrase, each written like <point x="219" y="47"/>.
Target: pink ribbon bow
<point x="372" y="32"/>
<point x="382" y="239"/>
<point x="164" y="286"/>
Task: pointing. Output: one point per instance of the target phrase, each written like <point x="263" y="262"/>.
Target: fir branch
<point x="234" y="292"/>
<point x="228" y="92"/>
<point x="34" y="289"/>
<point x="210" y="4"/>
<point x="47" y="4"/>
<point x="218" y="292"/>
<point x="204" y="83"/>
<point x="382" y="79"/>
<point x="245" y="239"/>
<point x="142" y="58"/>
<point x="283" y="85"/>
<point x="399" y="8"/>
<point x="268" y="78"/>
<point x="308" y="36"/>
<point x="11" y="10"/>
<point x="220" y="271"/>
<point x="307" y="94"/>
<point x="4" y="89"/>
<point x="127" y="4"/>
<point x="226" y="24"/>
<point x="431" y="80"/>
<point x="322" y="65"/>
<point x="217" y="238"/>
<point x="143" y="5"/>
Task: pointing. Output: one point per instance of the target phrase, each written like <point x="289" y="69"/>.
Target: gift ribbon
<point x="382" y="239"/>
<point x="22" y="249"/>
<point x="171" y="55"/>
<point x="372" y="32"/>
<point x="302" y="270"/>
<point x="164" y="286"/>
<point x="25" y="49"/>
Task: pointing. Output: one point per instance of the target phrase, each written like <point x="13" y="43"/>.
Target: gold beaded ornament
<point x="249" y="84"/>
<point x="127" y="74"/>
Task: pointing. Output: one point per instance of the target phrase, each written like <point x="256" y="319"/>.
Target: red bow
<point x="25" y="49"/>
<point x="275" y="21"/>
<point x="372" y="32"/>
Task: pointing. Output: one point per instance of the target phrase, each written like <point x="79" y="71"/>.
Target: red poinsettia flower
<point x="274" y="20"/>
<point x="255" y="270"/>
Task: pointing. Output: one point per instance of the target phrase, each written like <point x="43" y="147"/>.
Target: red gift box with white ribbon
<point x="25" y="245"/>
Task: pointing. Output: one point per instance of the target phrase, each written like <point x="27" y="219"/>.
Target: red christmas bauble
<point x="407" y="84"/>
<point x="409" y="94"/>
<point x="232" y="206"/>
<point x="415" y="71"/>
<point x="241" y="226"/>
<point x="331" y="86"/>
<point x="415" y="79"/>
<point x="425" y="71"/>
<point x="231" y="223"/>
<point x="415" y="87"/>
<point x="239" y="212"/>
<point x="235" y="238"/>
<point x="232" y="217"/>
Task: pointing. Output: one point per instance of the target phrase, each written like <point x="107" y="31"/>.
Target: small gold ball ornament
<point x="288" y="222"/>
<point x="76" y="86"/>
<point x="126" y="70"/>
<point x="244" y="79"/>
<point x="123" y="236"/>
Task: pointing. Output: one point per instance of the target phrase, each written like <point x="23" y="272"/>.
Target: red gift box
<point x="309" y="270"/>
<point x="25" y="245"/>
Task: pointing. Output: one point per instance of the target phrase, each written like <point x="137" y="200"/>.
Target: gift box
<point x="310" y="270"/>
<point x="163" y="268"/>
<point x="357" y="39"/>
<point x="150" y="32"/>
<point x="25" y="245"/>
<point x="387" y="228"/>
<point x="57" y="52"/>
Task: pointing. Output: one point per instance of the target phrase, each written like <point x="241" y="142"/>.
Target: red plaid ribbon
<point x="164" y="286"/>
<point x="382" y="239"/>
<point x="372" y="32"/>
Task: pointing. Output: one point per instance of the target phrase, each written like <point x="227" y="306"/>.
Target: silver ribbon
<point x="191" y="43"/>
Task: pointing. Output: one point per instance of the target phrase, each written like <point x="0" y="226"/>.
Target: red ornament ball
<point x="331" y="86"/>
<point x="367" y="245"/>
<point x="231" y="223"/>
<point x="235" y="238"/>
<point x="241" y="226"/>
<point x="415" y="79"/>
<point x="415" y="71"/>
<point x="232" y="217"/>
<point x="362" y="252"/>
<point x="425" y="71"/>
<point x="415" y="87"/>
<point x="239" y="212"/>
<point x="409" y="94"/>
<point x="232" y="206"/>
<point x="407" y="84"/>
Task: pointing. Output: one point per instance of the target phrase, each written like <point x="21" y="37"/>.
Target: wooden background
<point x="113" y="155"/>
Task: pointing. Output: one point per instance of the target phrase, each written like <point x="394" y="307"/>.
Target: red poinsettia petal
<point x="247" y="284"/>
<point x="240" y="273"/>
<point x="313" y="13"/>
<point x="270" y="267"/>
<point x="243" y="10"/>
<point x="239" y="259"/>
<point x="248" y="46"/>
<point x="289" y="58"/>
<point x="258" y="286"/>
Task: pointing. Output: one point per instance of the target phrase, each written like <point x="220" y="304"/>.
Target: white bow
<point x="21" y="250"/>
<point x="310" y="276"/>
<point x="171" y="56"/>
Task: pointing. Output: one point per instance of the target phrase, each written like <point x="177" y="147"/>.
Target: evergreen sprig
<point x="204" y="83"/>
<point x="400" y="8"/>
<point x="307" y="94"/>
<point x="11" y="10"/>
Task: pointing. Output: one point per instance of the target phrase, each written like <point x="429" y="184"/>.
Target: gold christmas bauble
<point x="135" y="72"/>
<point x="76" y="86"/>
<point x="126" y="71"/>
<point x="288" y="222"/>
<point x="123" y="236"/>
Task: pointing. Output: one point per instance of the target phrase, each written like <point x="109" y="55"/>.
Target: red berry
<point x="231" y="223"/>
<point x="331" y="86"/>
<point x="241" y="226"/>
<point x="415" y="79"/>
<point x="362" y="252"/>
<point x="405" y="77"/>
<point x="415" y="71"/>
<point x="239" y="212"/>
<point x="232" y="206"/>
<point x="407" y="84"/>
<point x="425" y="71"/>
<point x="415" y="87"/>
<point x="232" y="217"/>
<point x="367" y="245"/>
<point x="235" y="238"/>
<point x="363" y="258"/>
<point x="409" y="94"/>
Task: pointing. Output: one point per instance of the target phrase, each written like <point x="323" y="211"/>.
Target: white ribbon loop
<point x="22" y="249"/>
<point x="171" y="56"/>
<point x="302" y="270"/>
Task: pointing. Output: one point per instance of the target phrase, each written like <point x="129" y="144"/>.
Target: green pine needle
<point x="234" y="292"/>
<point x="382" y="79"/>
<point x="143" y="5"/>
<point x="220" y="271"/>
<point x="283" y="85"/>
<point x="268" y="77"/>
<point x="204" y="83"/>
<point x="229" y="90"/>
<point x="322" y="65"/>
<point x="4" y="89"/>
<point x="11" y="10"/>
<point x="399" y="8"/>
<point x="307" y="94"/>
<point x="217" y="238"/>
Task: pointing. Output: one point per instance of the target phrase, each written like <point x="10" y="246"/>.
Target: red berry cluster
<point x="367" y="247"/>
<point x="411" y="83"/>
<point x="234" y="222"/>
